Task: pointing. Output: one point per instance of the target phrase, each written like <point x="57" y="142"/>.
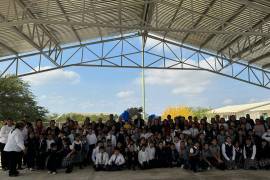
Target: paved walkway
<point x="153" y="174"/>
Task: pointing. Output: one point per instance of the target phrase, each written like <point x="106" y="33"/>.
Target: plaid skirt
<point x="66" y="162"/>
<point x="229" y="164"/>
<point x="264" y="163"/>
<point x="250" y="163"/>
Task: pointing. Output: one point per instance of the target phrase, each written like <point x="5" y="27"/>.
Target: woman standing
<point x="3" y="140"/>
<point x="13" y="148"/>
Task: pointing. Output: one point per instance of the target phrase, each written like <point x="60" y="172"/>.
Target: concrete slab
<point x="153" y="174"/>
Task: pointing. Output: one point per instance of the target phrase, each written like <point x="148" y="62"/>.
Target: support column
<point x="143" y="80"/>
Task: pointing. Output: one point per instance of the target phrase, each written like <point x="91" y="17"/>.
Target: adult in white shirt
<point x="102" y="159"/>
<point x="143" y="158"/>
<point x="92" y="141"/>
<point x="112" y="138"/>
<point x="3" y="140"/>
<point x="116" y="161"/>
<point x="194" y="131"/>
<point x="13" y="148"/>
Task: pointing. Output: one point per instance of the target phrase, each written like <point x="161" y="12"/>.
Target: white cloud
<point x="53" y="77"/>
<point x="227" y="101"/>
<point x="125" y="94"/>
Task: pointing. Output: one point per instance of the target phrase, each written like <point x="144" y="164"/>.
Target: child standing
<point x="52" y="159"/>
<point x="143" y="158"/>
<point x="32" y="146"/>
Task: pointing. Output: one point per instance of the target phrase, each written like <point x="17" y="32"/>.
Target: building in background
<point x="254" y="109"/>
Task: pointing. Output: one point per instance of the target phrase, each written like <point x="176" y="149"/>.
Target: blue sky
<point x="112" y="90"/>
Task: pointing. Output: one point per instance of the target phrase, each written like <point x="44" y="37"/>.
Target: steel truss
<point x="126" y="52"/>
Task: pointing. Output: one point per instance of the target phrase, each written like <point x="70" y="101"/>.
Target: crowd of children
<point x="111" y="145"/>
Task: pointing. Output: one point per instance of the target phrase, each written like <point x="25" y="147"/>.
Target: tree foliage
<point x="199" y="112"/>
<point x="17" y="101"/>
<point x="80" y="117"/>
<point x="177" y="111"/>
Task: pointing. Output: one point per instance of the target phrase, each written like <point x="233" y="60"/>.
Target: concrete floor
<point x="153" y="174"/>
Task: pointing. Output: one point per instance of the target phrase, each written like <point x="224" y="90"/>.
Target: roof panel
<point x="229" y="16"/>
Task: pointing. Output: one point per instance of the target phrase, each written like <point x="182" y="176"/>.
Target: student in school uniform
<point x="143" y="158"/>
<point x="5" y="130"/>
<point x="96" y="150"/>
<point x="102" y="159"/>
<point x="151" y="150"/>
<point x="42" y="152"/>
<point x="52" y="159"/>
<point x="13" y="148"/>
<point x="249" y="152"/>
<point x="174" y="160"/>
<point x="116" y="161"/>
<point x="228" y="153"/>
<point x="31" y="154"/>
<point x="216" y="159"/>
<point x="238" y="155"/>
<point x="132" y="157"/>
<point x="206" y="157"/>
<point x="263" y="155"/>
<point x="76" y="149"/>
<point x="194" y="157"/>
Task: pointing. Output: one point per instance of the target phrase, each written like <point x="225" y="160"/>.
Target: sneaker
<point x="31" y="169"/>
<point x="49" y="172"/>
<point x="54" y="173"/>
<point x="182" y="166"/>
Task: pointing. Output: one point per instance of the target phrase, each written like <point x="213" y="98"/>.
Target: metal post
<point x="143" y="80"/>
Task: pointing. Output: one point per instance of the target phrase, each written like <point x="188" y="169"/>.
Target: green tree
<point x="201" y="112"/>
<point x="17" y="101"/>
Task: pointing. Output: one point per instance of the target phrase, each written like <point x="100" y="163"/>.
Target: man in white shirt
<point x="102" y="159"/>
<point x="92" y="141"/>
<point x="13" y="148"/>
<point x="3" y="140"/>
<point x="112" y="138"/>
<point x="116" y="161"/>
<point x="194" y="131"/>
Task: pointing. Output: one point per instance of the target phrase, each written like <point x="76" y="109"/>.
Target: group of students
<point x="113" y="145"/>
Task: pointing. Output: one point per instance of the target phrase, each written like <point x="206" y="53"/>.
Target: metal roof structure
<point x="234" y="33"/>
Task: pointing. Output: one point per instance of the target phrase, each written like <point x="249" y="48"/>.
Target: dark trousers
<point x="51" y="164"/>
<point x="20" y="159"/>
<point x="100" y="167"/>
<point x="41" y="158"/>
<point x="4" y="162"/>
<point x="13" y="158"/>
<point x="30" y="159"/>
<point x="90" y="151"/>
<point x="194" y="164"/>
<point x="144" y="165"/>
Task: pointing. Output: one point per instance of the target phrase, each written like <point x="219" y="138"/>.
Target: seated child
<point x="102" y="159"/>
<point x="116" y="161"/>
